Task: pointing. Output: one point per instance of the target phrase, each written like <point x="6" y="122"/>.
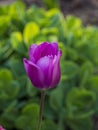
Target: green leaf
<point x="56" y="97"/>
<point x="51" y="3"/>
<point x="48" y="125"/>
<point x="29" y="118"/>
<point x="31" y="110"/>
<point x="30" y="31"/>
<point x="85" y="73"/>
<point x="17" y="42"/>
<point x="17" y="10"/>
<point x="72" y="54"/>
<point x="70" y="69"/>
<point x="31" y="90"/>
<point x="47" y="31"/>
<point x="92" y="85"/>
<point x="12" y="90"/>
<point x="73" y="22"/>
<point x="80" y="103"/>
<point x="40" y="14"/>
<point x="80" y="124"/>
<point x="17" y="68"/>
<point x="4" y="23"/>
<point x="5" y="76"/>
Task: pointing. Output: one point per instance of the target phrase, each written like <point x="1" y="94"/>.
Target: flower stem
<point x="41" y="108"/>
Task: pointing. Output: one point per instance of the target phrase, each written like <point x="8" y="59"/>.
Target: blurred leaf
<point x="5" y="76"/>
<point x="30" y="31"/>
<point x="92" y="84"/>
<point x="80" y="103"/>
<point x="70" y="69"/>
<point x="50" y="31"/>
<point x="17" y="42"/>
<point x="72" y="22"/>
<point x="56" y="101"/>
<point x="40" y="14"/>
<point x="16" y="67"/>
<point x="4" y="23"/>
<point x="86" y="71"/>
<point x="31" y="108"/>
<point x="72" y="54"/>
<point x="31" y="90"/>
<point x="51" y="3"/>
<point x="48" y="125"/>
<point x="82" y="124"/>
<point x="28" y="119"/>
<point x="17" y="10"/>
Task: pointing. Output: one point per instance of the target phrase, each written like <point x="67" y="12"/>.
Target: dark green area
<point x="74" y="102"/>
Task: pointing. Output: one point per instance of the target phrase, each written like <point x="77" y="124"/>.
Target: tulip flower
<point x="1" y="128"/>
<point x="43" y="67"/>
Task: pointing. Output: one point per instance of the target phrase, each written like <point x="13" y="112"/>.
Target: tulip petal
<point x="56" y="70"/>
<point x="34" y="73"/>
<point x="51" y="49"/>
<point x="36" y="50"/>
<point x="32" y="49"/>
<point x="45" y="63"/>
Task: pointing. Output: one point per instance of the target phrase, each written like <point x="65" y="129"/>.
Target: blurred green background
<point x="73" y="105"/>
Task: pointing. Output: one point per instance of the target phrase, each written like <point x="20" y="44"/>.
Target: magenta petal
<point x="51" y="49"/>
<point x="55" y="46"/>
<point x="32" y="50"/>
<point x="45" y="63"/>
<point x="34" y="73"/>
<point x="56" y="71"/>
<point x="37" y="54"/>
<point x="1" y="128"/>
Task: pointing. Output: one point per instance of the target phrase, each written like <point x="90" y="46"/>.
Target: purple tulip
<point x="43" y="66"/>
<point x="1" y="128"/>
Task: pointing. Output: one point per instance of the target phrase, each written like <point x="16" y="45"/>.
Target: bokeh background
<point x="73" y="105"/>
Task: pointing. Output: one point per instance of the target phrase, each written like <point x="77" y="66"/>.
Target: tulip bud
<point x="43" y="66"/>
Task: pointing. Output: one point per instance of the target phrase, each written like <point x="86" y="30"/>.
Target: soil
<point x="87" y="10"/>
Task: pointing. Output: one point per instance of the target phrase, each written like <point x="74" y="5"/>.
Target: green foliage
<point x="74" y="102"/>
<point x="30" y="31"/>
<point x="51" y="3"/>
<point x="80" y="103"/>
<point x="29" y="117"/>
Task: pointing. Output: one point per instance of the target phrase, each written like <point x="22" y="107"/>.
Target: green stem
<point x="41" y="108"/>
